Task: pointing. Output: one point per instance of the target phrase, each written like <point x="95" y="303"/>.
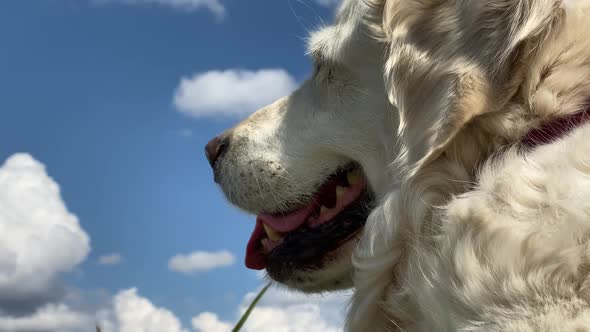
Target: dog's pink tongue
<point x="255" y="256"/>
<point x="286" y="223"/>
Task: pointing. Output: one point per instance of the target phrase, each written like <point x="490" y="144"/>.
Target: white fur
<point x="481" y="236"/>
<point x="510" y="255"/>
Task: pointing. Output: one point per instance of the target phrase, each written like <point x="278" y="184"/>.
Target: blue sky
<point x="92" y="91"/>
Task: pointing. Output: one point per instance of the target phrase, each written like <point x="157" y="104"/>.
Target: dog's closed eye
<point x="323" y="72"/>
<point x="317" y="66"/>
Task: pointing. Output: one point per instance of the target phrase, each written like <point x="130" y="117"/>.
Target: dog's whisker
<point x="271" y="190"/>
<point x="308" y="31"/>
<point x="256" y="180"/>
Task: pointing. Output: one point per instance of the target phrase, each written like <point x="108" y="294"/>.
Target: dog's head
<point x="311" y="164"/>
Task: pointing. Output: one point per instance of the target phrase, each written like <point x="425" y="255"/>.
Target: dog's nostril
<point x="215" y="148"/>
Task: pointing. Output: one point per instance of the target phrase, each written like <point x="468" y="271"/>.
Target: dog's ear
<point x="452" y="60"/>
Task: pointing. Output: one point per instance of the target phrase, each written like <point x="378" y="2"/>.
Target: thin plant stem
<point x="250" y="308"/>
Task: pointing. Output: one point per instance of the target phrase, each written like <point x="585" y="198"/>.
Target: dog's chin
<point x="309" y="248"/>
<point x="335" y="274"/>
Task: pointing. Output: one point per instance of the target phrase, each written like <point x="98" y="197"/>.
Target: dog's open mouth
<point x="300" y="239"/>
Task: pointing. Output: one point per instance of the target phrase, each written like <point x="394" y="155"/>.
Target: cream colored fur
<point x="481" y="235"/>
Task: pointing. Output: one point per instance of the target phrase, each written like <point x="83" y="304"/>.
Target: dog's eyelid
<point x="317" y="65"/>
<point x="320" y="65"/>
<point x="317" y="68"/>
<point x="319" y="62"/>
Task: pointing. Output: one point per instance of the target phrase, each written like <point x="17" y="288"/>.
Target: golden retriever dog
<point x="436" y="160"/>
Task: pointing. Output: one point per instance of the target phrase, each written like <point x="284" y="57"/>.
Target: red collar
<point x="557" y="128"/>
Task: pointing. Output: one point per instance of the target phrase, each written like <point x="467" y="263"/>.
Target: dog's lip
<point x="337" y="193"/>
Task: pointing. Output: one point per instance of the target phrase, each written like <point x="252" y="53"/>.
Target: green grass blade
<point x="250" y="308"/>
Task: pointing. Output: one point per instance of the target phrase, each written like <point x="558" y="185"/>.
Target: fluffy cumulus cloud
<point x="278" y="311"/>
<point x="214" y="6"/>
<point x="110" y="259"/>
<point x="51" y="317"/>
<point x="39" y="237"/>
<point x="127" y="311"/>
<point x="284" y="311"/>
<point x="39" y="241"/>
<point x="200" y="261"/>
<point x="233" y="92"/>
<point x="209" y="322"/>
<point x="131" y="312"/>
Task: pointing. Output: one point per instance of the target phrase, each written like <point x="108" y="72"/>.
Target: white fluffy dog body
<point x="484" y="234"/>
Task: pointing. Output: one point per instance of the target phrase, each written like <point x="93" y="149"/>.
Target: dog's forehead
<point x="329" y="43"/>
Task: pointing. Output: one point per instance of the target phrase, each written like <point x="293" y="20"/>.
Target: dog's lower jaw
<point x="336" y="274"/>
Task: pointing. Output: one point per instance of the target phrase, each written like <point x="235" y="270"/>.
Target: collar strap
<point x="555" y="129"/>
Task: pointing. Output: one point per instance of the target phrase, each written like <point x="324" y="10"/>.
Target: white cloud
<point x="213" y="6"/>
<point x="50" y="318"/>
<point x="39" y="237"/>
<point x="125" y="312"/>
<point x="185" y="133"/>
<point x="209" y="322"/>
<point x="200" y="261"/>
<point x="233" y="92"/>
<point x="134" y="313"/>
<point x="285" y="311"/>
<point x="110" y="259"/>
<point x="328" y="3"/>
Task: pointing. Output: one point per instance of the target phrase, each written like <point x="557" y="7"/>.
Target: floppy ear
<point x="452" y="60"/>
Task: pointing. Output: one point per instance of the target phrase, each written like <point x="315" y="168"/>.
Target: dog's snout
<point x="215" y="148"/>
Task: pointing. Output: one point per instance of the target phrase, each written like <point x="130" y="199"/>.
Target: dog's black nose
<point x="215" y="148"/>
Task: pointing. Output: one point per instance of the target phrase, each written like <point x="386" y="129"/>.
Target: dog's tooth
<point x="353" y="177"/>
<point x="339" y="192"/>
<point x="324" y="210"/>
<point x="272" y="234"/>
<point x="265" y="245"/>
